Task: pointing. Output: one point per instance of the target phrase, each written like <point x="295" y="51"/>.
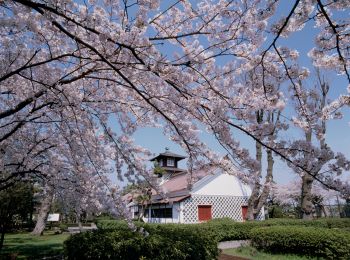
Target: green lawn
<point x="253" y="254"/>
<point x="26" y="246"/>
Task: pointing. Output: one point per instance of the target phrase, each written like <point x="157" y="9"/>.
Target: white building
<point x="215" y="194"/>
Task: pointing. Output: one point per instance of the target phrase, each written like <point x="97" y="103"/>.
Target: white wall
<point x="177" y="212"/>
<point x="221" y="184"/>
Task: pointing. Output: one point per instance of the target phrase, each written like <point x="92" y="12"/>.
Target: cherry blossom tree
<point x="314" y="101"/>
<point x="309" y="110"/>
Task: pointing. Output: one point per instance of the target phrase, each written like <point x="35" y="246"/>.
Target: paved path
<point x="233" y="244"/>
<point x="74" y="230"/>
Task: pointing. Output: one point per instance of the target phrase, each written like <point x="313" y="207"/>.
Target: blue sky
<point x="337" y="137"/>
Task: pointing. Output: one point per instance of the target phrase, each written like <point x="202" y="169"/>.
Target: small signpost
<point x="55" y="217"/>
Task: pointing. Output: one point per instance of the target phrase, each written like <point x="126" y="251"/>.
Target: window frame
<point x="162" y="213"/>
<point x="170" y="160"/>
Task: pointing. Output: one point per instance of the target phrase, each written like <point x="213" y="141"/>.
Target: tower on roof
<point x="169" y="161"/>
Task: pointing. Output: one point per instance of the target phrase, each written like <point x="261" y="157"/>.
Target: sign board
<point x="53" y="217"/>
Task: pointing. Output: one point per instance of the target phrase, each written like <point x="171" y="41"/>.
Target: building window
<point x="170" y="162"/>
<point x="145" y="214"/>
<point x="161" y="163"/>
<point x="162" y="213"/>
<point x="136" y="211"/>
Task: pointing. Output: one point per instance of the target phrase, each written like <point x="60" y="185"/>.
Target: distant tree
<point x="16" y="203"/>
<point x="279" y="209"/>
<point x="346" y="209"/>
<point x="275" y="211"/>
<point x="141" y="194"/>
<point x="289" y="195"/>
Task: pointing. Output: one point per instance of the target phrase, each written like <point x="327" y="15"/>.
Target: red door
<point x="244" y="212"/>
<point x="204" y="212"/>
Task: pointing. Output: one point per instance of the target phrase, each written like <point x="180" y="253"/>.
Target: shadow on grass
<point x="32" y="251"/>
<point x="25" y="246"/>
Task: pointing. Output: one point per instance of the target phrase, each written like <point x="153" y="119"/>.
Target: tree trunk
<point x="43" y="212"/>
<point x="306" y="196"/>
<point x="254" y="197"/>
<point x="339" y="208"/>
<point x="324" y="211"/>
<point x="80" y="224"/>
<point x="306" y="205"/>
<point x="307" y="180"/>
<point x="268" y="180"/>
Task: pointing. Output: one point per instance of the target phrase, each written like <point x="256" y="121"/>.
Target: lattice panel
<point x="222" y="206"/>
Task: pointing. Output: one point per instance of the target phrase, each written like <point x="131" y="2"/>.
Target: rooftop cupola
<point x="169" y="161"/>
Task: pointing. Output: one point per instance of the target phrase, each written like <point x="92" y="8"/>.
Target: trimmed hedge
<point x="321" y="222"/>
<point x="226" y="229"/>
<point x="309" y="241"/>
<point x="169" y="241"/>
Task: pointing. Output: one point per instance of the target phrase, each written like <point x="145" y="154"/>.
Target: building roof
<point x="170" y="200"/>
<point x="169" y="154"/>
<point x="183" y="180"/>
<point x="179" y="185"/>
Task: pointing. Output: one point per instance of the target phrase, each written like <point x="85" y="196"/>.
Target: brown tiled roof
<point x="181" y="181"/>
<point x="176" y="188"/>
<point x="170" y="200"/>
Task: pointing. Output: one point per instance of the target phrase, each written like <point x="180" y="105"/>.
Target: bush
<point x="226" y="229"/>
<point x="168" y="241"/>
<point x="309" y="241"/>
<point x="114" y="240"/>
<point x="111" y="224"/>
<point x="321" y="223"/>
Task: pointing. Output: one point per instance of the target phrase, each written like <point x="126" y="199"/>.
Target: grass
<point x="253" y="254"/>
<point x="26" y="246"/>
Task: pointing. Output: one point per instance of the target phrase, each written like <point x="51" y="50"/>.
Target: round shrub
<point x="309" y="241"/>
